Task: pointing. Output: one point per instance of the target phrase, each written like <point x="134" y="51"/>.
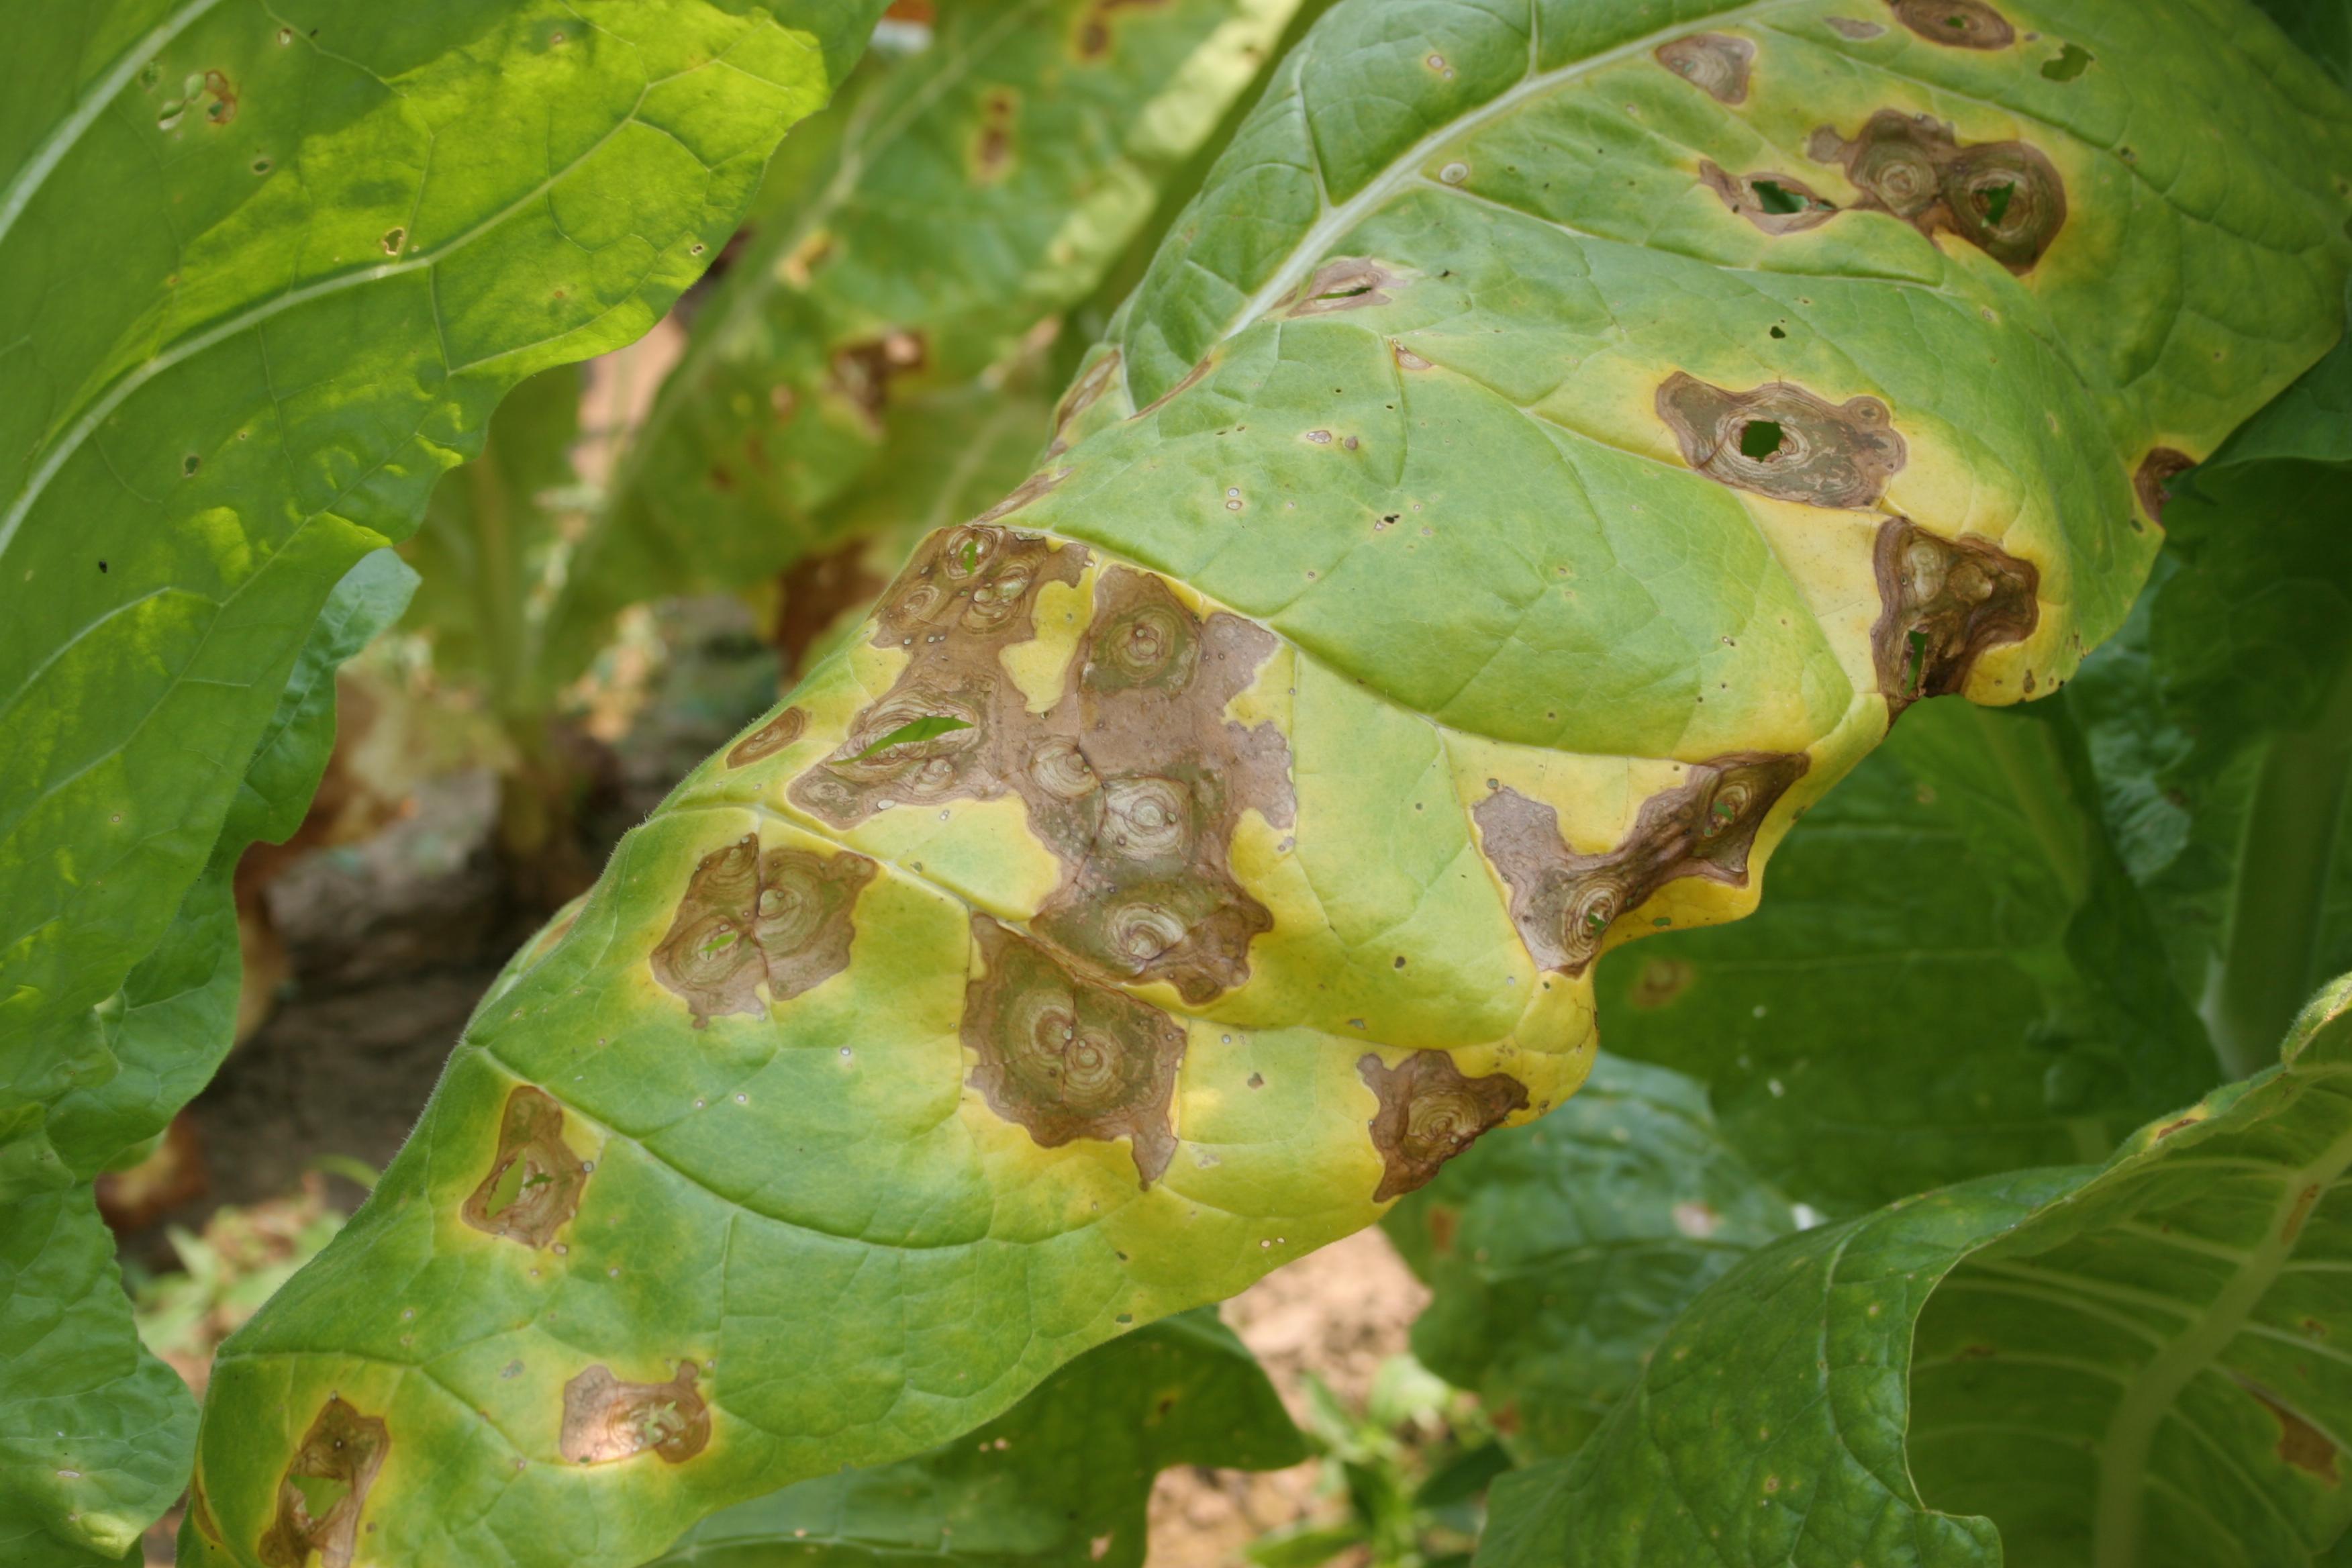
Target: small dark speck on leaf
<point x="189" y="465"/>
<point x="101" y="565"/>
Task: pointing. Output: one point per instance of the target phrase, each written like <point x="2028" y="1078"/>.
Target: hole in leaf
<point x="1760" y="439"/>
<point x="927" y="727"/>
<point x="2068" y="65"/>
<point x="1777" y="198"/>
<point x="1777" y="332"/>
<point x="189" y="465"/>
<point x="1347" y="293"/>
<point x="1916" y="668"/>
<point x="1996" y="202"/>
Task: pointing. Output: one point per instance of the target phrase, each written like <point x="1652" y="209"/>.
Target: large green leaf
<point x="1439" y="576"/>
<point x="2126" y="1365"/>
<point x="1557" y="1255"/>
<point x="95" y="1433"/>
<point x="1061" y="1480"/>
<point x="1955" y="975"/>
<point x="263" y="272"/>
<point x="963" y="195"/>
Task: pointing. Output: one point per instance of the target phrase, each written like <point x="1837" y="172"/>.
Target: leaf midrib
<point x="2119" y="1517"/>
<point x="1333" y="222"/>
<point x="36" y="170"/>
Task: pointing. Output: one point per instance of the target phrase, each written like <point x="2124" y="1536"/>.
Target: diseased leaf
<point x="1558" y="1255"/>
<point x="964" y="194"/>
<point x="2121" y="1364"/>
<point x="1258" y="888"/>
<point x="1061" y="1480"/>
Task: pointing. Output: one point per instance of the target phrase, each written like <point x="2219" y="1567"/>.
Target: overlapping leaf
<point x="1061" y="1480"/>
<point x="1557" y="1255"/>
<point x="2127" y="1365"/>
<point x="1955" y="976"/>
<point x="262" y="274"/>
<point x="965" y="194"/>
<point x="1507" y="542"/>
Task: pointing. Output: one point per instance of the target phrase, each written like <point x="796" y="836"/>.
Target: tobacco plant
<point x="1558" y="441"/>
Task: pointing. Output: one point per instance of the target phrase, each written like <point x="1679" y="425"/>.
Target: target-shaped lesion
<point x="1565" y="903"/>
<point x="325" y="1488"/>
<point x="1429" y="1113"/>
<point x="780" y="918"/>
<point x="534" y="1183"/>
<point x="1067" y="1057"/>
<point x="607" y="1419"/>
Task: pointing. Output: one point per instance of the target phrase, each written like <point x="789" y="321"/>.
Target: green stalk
<point x="2270" y="949"/>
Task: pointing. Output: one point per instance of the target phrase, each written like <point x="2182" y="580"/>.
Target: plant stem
<point x="2271" y="945"/>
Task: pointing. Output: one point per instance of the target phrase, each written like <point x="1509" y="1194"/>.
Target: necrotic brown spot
<point x="1777" y="204"/>
<point x="2003" y="198"/>
<point x="769" y="739"/>
<point x="1563" y="903"/>
<point x="1853" y="27"/>
<point x="1781" y="441"/>
<point x="1348" y="283"/>
<point x="1067" y="1058"/>
<point x="324" y="1488"/>
<point x="1429" y="1113"/>
<point x="534" y="1185"/>
<point x="992" y="146"/>
<point x="606" y="1419"/>
<point x="2153" y="482"/>
<point x="1133" y="779"/>
<point x="1081" y="396"/>
<point x="1716" y="63"/>
<point x="1095" y="26"/>
<point x="1942" y="603"/>
<point x="862" y="372"/>
<point x="1962" y="23"/>
<point x="2300" y="1444"/>
<point x="781" y="919"/>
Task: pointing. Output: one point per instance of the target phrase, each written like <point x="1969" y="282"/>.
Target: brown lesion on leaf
<point x="1960" y="23"/>
<point x="1067" y="1057"/>
<point x="2153" y="481"/>
<point x="606" y="1419"/>
<point x="861" y="373"/>
<point x="1133" y="778"/>
<point x="1347" y="283"/>
<point x="534" y="1185"/>
<point x="1782" y="441"/>
<point x="1186" y="382"/>
<point x="2003" y="198"/>
<point x="1082" y="396"/>
<point x="324" y="1489"/>
<point x="991" y="140"/>
<point x="1715" y="63"/>
<point x="1661" y="981"/>
<point x="2301" y="1445"/>
<point x="1853" y="27"/>
<point x="1775" y="203"/>
<point x="200" y="1511"/>
<point x="1429" y="1113"/>
<point x="1096" y="23"/>
<point x="769" y="739"/>
<point x="1943" y="602"/>
<point x="1563" y="903"/>
<point x="782" y="918"/>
